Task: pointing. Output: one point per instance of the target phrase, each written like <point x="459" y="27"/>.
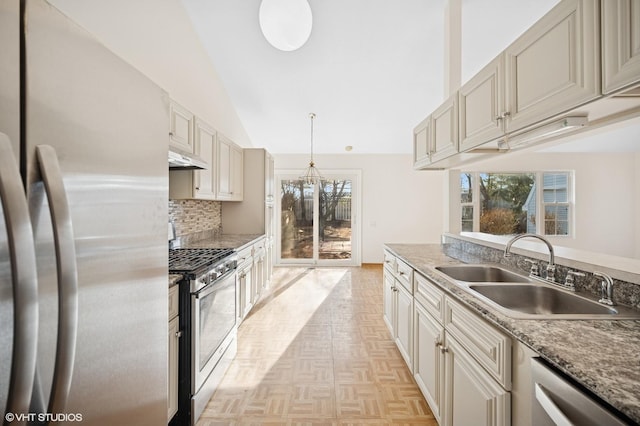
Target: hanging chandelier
<point x="312" y="175"/>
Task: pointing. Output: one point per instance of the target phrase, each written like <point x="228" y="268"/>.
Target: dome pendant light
<point x="312" y="175"/>
<point x="286" y="24"/>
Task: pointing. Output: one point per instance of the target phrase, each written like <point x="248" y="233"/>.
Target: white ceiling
<point x="371" y="69"/>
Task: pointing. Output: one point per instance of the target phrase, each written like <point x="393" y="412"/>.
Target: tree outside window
<point x="508" y="203"/>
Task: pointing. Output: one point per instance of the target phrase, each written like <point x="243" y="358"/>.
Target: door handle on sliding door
<point x="24" y="280"/>
<point x="67" y="276"/>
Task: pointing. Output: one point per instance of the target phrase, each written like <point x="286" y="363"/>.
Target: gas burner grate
<point x="189" y="260"/>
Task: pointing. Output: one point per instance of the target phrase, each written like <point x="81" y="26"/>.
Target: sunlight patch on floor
<point x="299" y="292"/>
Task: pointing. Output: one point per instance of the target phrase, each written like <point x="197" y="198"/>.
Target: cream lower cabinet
<point x="403" y="305"/>
<point x="428" y="362"/>
<point x="174" y="338"/>
<point x="388" y="309"/>
<point x="398" y="306"/>
<point x="259" y="276"/>
<point x="244" y="282"/>
<point x="472" y="396"/>
<point x="250" y="276"/>
<point x="462" y="364"/>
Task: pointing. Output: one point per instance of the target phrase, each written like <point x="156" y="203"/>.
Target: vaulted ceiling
<point x="371" y="69"/>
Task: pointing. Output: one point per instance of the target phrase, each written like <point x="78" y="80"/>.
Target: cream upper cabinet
<point x="481" y="105"/>
<point x="421" y="143"/>
<point x="205" y="143"/>
<point x="436" y="137"/>
<point x="229" y="165"/>
<point x="444" y="129"/>
<point x="181" y="127"/>
<point x="554" y="66"/>
<point x="620" y="44"/>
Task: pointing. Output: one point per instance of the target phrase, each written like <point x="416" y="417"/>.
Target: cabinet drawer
<point x="490" y="347"/>
<point x="404" y="274"/>
<point x="244" y="255"/>
<point x="173" y="301"/>
<point x="429" y="296"/>
<point x="390" y="261"/>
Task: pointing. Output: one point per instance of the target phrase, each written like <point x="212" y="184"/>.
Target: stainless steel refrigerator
<point x="83" y="234"/>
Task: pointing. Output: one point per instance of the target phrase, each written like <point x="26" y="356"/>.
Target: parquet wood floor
<point x="315" y="351"/>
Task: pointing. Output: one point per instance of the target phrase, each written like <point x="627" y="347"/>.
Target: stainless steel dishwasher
<point x="557" y="401"/>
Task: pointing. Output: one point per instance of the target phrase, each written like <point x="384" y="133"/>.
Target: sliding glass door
<point x="317" y="222"/>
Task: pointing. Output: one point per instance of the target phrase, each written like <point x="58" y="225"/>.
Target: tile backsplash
<point x="195" y="216"/>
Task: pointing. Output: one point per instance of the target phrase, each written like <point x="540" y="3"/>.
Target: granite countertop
<point x="602" y="355"/>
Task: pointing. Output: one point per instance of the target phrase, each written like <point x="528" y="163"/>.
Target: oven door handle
<point x="214" y="286"/>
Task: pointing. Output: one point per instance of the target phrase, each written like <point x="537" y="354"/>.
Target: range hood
<point x="183" y="160"/>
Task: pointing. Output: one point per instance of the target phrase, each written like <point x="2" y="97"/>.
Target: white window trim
<point x="540" y="204"/>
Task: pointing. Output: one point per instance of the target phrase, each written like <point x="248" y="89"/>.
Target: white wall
<point x="399" y="205"/>
<point x="606" y="218"/>
<point x="156" y="37"/>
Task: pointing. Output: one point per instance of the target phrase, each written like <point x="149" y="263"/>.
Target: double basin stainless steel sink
<point x="522" y="297"/>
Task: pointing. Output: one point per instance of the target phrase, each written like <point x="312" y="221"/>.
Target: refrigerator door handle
<point x="67" y="276"/>
<point x="24" y="280"/>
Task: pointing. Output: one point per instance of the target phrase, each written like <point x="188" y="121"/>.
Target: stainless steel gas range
<point x="208" y="323"/>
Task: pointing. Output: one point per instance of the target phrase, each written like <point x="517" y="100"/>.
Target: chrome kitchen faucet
<point x="551" y="267"/>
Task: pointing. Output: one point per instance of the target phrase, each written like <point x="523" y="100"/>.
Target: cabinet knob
<point x="170" y="133"/>
<point x="444" y="349"/>
<point x="178" y="334"/>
